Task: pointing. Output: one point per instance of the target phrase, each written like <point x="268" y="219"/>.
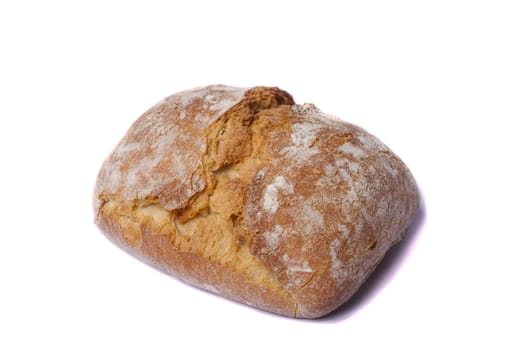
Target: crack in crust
<point x="211" y="224"/>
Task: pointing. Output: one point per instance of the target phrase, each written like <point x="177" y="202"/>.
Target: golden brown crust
<point x="268" y="203"/>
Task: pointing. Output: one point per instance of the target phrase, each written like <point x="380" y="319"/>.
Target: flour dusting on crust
<point x="271" y="195"/>
<point x="161" y="155"/>
<point x="347" y="199"/>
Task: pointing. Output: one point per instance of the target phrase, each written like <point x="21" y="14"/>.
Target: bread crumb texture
<point x="245" y="194"/>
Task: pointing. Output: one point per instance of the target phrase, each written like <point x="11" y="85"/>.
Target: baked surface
<point x="245" y="194"/>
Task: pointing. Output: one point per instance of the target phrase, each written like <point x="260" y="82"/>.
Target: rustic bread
<point x="245" y="194"/>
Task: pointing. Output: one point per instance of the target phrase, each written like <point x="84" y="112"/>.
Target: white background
<point x="442" y="83"/>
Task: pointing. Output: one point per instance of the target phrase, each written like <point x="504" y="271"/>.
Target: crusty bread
<point x="245" y="194"/>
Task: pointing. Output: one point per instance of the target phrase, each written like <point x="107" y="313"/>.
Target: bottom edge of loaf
<point x="157" y="251"/>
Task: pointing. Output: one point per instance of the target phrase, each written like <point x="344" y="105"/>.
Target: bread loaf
<point x="246" y="194"/>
